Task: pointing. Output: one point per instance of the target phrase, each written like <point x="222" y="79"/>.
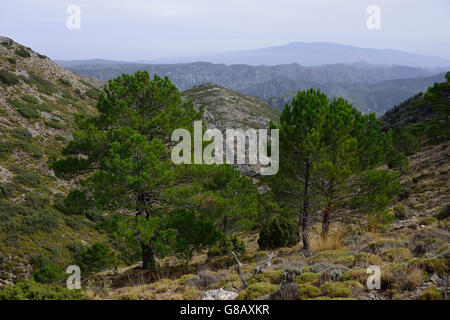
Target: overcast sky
<point x="148" y="29"/>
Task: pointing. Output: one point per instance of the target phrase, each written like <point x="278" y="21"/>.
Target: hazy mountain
<point x="360" y="82"/>
<point x="368" y="97"/>
<point x="316" y="53"/>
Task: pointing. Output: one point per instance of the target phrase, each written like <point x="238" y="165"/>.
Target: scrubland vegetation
<point x="99" y="190"/>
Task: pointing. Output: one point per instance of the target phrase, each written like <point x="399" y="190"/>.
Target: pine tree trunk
<point x="326" y="223"/>
<point x="148" y="257"/>
<point x="305" y="213"/>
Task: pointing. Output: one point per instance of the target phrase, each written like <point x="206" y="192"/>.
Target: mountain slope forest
<point x="86" y="179"/>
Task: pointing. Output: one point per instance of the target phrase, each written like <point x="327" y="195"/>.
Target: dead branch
<point x="239" y="270"/>
<point x="258" y="269"/>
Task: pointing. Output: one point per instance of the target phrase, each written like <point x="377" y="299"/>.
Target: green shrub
<point x="396" y="255"/>
<point x="443" y="214"/>
<point x="399" y="162"/>
<point x="22" y="52"/>
<point x="39" y="221"/>
<point x="308" y="291"/>
<point x="335" y="289"/>
<point x="54" y="124"/>
<point x="28" y="112"/>
<point x="225" y="246"/>
<point x="12" y="60"/>
<point x="39" y="260"/>
<point x="29" y="148"/>
<point x="65" y="82"/>
<point x="49" y="273"/>
<point x="36" y="200"/>
<point x="38" y="79"/>
<point x="14" y="103"/>
<point x="6" y="148"/>
<point x="27" y="178"/>
<point x="431" y="293"/>
<point x="31" y="290"/>
<point x="75" y="222"/>
<point x="22" y="134"/>
<point x="97" y="257"/>
<point x="46" y="89"/>
<point x="9" y="209"/>
<point x="400" y="212"/>
<point x="79" y="93"/>
<point x="280" y="232"/>
<point x="307" y="277"/>
<point x="30" y="99"/>
<point x="256" y="290"/>
<point x="364" y="259"/>
<point x="8" y="78"/>
<point x="93" y="93"/>
<point x="6" y="190"/>
<point x="269" y="276"/>
<point x="77" y="203"/>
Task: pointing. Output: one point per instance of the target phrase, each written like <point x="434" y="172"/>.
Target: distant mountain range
<point x="361" y="83"/>
<point x="313" y="54"/>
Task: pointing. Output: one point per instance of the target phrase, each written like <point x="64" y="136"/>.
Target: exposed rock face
<point x="229" y="109"/>
<point x="219" y="294"/>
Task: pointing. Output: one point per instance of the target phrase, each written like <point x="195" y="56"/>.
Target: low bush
<point x="22" y="52"/>
<point x="307" y="277"/>
<point x="256" y="290"/>
<point x="31" y="290"/>
<point x="28" y="112"/>
<point x="444" y="213"/>
<point x="6" y="148"/>
<point x="308" y="291"/>
<point x="400" y="212"/>
<point x="280" y="232"/>
<point x="287" y="291"/>
<point x="28" y="178"/>
<point x="8" y="78"/>
<point x="97" y="257"/>
<point x="39" y="221"/>
<point x="225" y="246"/>
<point x="49" y="273"/>
<point x="22" y="134"/>
<point x="30" y="99"/>
<point x="335" y="289"/>
<point x="431" y="293"/>
<point x="65" y="82"/>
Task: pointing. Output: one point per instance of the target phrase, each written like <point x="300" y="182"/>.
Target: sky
<point x="130" y="30"/>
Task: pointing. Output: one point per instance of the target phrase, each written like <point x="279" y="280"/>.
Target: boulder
<point x="219" y="294"/>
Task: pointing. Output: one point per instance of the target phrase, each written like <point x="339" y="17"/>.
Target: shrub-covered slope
<point x="38" y="101"/>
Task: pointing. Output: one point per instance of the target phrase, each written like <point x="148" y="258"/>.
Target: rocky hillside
<point x="227" y="109"/>
<point x="38" y="101"/>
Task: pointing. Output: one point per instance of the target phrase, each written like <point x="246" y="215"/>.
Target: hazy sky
<point x="147" y="29"/>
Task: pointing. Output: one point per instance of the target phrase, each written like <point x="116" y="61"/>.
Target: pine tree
<point x="121" y="156"/>
<point x="323" y="146"/>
